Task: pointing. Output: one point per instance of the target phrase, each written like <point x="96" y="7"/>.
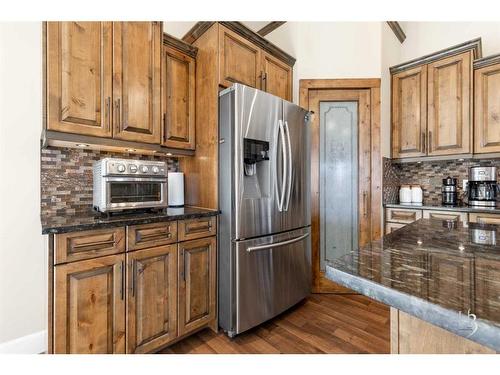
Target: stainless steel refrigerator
<point x="264" y="247"/>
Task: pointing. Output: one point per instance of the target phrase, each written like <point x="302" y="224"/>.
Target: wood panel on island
<point x="112" y="295"/>
<point x="432" y="104"/>
<point x="119" y="86"/>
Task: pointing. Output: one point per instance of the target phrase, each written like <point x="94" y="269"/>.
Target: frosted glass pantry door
<point x="338" y="154"/>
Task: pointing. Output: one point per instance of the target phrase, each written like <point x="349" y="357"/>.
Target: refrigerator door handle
<point x="290" y="167"/>
<point x="277" y="244"/>
<point x="281" y="195"/>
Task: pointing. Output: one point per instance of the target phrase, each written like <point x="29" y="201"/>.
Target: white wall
<point x="391" y="55"/>
<point x="23" y="259"/>
<point x="427" y="37"/>
<point x="331" y="49"/>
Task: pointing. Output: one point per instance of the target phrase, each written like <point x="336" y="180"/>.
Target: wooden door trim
<point x="375" y="204"/>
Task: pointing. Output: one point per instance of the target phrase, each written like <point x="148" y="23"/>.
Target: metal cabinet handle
<point x="277" y="244"/>
<point x="264" y="80"/>
<point x="423" y="142"/>
<point x="164" y="126"/>
<point x="365" y="204"/>
<point x="134" y="271"/>
<point x="429" y="144"/>
<point x="183" y="265"/>
<point x="117" y="114"/>
<point x="107" y="114"/>
<point x="122" y="284"/>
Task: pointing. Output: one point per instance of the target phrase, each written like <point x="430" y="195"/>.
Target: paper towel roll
<point x="175" y="189"/>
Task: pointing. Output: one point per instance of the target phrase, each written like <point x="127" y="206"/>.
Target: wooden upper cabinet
<point x="277" y="79"/>
<point x="197" y="283"/>
<point x="89" y="306"/>
<point x="449" y="105"/>
<point x="487" y="109"/>
<point x="151" y="298"/>
<point x="409" y="113"/>
<point x="178" y="99"/>
<point x="136" y="81"/>
<point x="79" y="77"/>
<point x="239" y="60"/>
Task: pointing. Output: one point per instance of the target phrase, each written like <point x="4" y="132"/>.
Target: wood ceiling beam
<point x="271" y="26"/>
<point x="397" y="30"/>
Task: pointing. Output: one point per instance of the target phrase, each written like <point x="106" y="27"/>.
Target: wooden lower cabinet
<point x="391" y="227"/>
<point x="89" y="306"/>
<point x="137" y="301"/>
<point x="445" y="215"/>
<point x="151" y="298"/>
<point x="197" y="283"/>
<point x="410" y="335"/>
<point x="484" y="218"/>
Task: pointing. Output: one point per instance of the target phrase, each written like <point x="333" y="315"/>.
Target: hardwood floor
<point x="324" y="323"/>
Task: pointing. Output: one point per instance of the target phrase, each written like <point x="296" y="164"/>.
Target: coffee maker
<point x="482" y="186"/>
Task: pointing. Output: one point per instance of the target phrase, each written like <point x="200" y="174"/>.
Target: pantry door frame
<point x="311" y="93"/>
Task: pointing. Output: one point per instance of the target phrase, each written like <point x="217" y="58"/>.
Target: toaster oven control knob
<point x="132" y="168"/>
<point x="120" y="168"/>
<point x="144" y="169"/>
<point x="156" y="170"/>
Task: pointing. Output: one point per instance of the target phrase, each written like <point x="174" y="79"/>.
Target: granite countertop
<point x="438" y="206"/>
<point x="93" y="220"/>
<point x="434" y="270"/>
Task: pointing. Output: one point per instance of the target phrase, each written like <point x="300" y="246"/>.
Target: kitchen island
<point x="441" y="279"/>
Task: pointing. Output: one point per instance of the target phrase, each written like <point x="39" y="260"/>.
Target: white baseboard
<point x="34" y="343"/>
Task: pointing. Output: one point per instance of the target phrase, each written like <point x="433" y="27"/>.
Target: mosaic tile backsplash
<point x="66" y="177"/>
<point x="427" y="174"/>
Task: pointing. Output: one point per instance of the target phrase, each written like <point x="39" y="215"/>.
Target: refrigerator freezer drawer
<point x="272" y="274"/>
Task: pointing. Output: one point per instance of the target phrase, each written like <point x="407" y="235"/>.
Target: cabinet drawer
<point x="445" y="215"/>
<point x="484" y="218"/>
<point x="73" y="246"/>
<point x="402" y="215"/>
<point x="151" y="235"/>
<point x="197" y="228"/>
<point x="391" y="227"/>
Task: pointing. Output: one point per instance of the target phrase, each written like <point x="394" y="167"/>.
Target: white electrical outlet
<point x="464" y="184"/>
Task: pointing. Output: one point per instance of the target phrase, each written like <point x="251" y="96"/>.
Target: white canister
<point x="405" y="194"/>
<point x="175" y="189"/>
<point x="416" y="194"/>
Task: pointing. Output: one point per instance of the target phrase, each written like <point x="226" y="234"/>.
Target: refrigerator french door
<point x="264" y="196"/>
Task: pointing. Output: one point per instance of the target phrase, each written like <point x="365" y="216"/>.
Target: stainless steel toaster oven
<point x="122" y="184"/>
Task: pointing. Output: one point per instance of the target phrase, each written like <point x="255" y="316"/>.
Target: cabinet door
<point x="277" y="79"/>
<point x="178" y="99"/>
<point x="403" y="216"/>
<point x="136" y="81"/>
<point x="449" y="101"/>
<point x="151" y="298"/>
<point x="89" y="306"/>
<point x="484" y="218"/>
<point x="445" y="215"/>
<point x="197" y="284"/>
<point x="239" y="60"/>
<point x="409" y="113"/>
<point x="391" y="227"/>
<point x="487" y="288"/>
<point x="487" y="109"/>
<point x="79" y="77"/>
<point x="450" y="281"/>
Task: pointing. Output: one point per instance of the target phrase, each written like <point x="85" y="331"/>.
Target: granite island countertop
<point x="442" y="207"/>
<point x="441" y="272"/>
<point x="93" y="220"/>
